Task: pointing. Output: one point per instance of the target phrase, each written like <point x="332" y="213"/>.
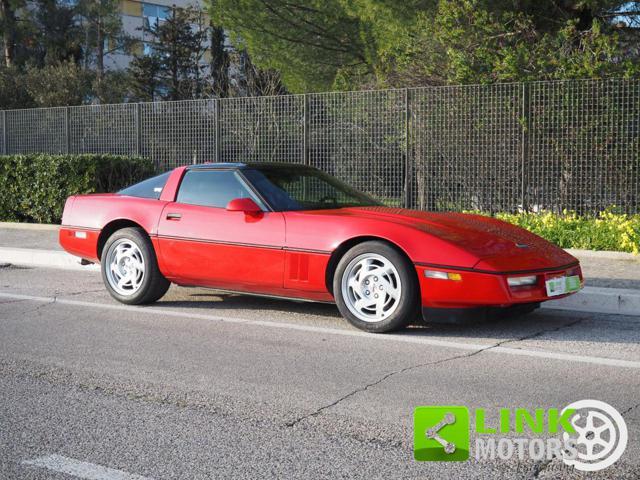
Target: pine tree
<point x="179" y="47"/>
<point x="144" y="74"/>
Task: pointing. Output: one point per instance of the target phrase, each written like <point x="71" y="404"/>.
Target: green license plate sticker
<point x="573" y="283"/>
<point x="561" y="285"/>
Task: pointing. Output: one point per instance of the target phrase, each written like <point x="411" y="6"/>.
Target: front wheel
<point x="130" y="268"/>
<point x="375" y="288"/>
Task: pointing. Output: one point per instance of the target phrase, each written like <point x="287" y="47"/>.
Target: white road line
<point x="404" y="338"/>
<point x="89" y="471"/>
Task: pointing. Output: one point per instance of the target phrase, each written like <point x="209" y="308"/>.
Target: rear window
<point x="149" y="188"/>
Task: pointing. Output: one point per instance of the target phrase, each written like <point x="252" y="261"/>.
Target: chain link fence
<point x="571" y="145"/>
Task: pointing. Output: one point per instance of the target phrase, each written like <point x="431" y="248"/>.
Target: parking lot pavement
<point x="205" y="385"/>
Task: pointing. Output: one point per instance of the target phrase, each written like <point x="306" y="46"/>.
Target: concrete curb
<point x="602" y="254"/>
<point x="28" y="226"/>
<point x="31" y="257"/>
<point x="617" y="301"/>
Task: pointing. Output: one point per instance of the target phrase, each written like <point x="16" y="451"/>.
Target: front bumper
<point x="481" y="288"/>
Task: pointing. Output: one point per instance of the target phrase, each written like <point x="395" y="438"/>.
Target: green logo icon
<point x="441" y="434"/>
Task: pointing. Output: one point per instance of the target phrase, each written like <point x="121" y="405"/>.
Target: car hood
<point x="498" y="245"/>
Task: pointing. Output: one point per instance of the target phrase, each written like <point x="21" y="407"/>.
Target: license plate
<point x="561" y="285"/>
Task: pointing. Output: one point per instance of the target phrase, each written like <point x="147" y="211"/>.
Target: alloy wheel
<point x="371" y="287"/>
<point x="125" y="267"/>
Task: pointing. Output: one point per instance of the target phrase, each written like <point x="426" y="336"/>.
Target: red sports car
<point x="293" y="231"/>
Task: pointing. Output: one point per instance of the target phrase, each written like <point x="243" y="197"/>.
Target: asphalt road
<point x="206" y="385"/>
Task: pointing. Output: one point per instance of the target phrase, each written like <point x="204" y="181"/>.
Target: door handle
<point x="174" y="216"/>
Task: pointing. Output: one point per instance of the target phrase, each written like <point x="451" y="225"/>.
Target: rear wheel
<point x="375" y="288"/>
<point x="130" y="268"/>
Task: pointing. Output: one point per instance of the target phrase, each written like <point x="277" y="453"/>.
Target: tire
<point x="389" y="301"/>
<point x="142" y="281"/>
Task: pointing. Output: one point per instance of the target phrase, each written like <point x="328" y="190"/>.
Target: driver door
<point x="201" y="243"/>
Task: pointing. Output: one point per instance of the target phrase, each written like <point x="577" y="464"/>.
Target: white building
<point x="138" y="14"/>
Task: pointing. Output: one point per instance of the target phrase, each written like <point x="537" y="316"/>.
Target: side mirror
<point x="245" y="205"/>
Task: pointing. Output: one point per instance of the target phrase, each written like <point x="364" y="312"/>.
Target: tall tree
<point x="144" y="73"/>
<point x="254" y="81"/>
<point x="178" y="46"/>
<point x="220" y="62"/>
<point x="8" y="24"/>
<point x="319" y="44"/>
<point x="476" y="42"/>
<point x="308" y="41"/>
<point x="57" y="33"/>
<point x="102" y="25"/>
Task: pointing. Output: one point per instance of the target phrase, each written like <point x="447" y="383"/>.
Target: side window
<point x="149" y="188"/>
<point x="212" y="188"/>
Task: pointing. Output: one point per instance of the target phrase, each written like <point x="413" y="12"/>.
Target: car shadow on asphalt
<point x="214" y="300"/>
<point x="541" y="324"/>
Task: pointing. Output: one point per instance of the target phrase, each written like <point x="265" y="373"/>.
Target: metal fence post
<point x="408" y="161"/>
<point x="218" y="130"/>
<point x="306" y="160"/>
<point x="138" y="120"/>
<point x="67" y="131"/>
<point x="5" y="149"/>
<point x="525" y="145"/>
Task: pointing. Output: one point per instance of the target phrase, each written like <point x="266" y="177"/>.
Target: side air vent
<point x="298" y="267"/>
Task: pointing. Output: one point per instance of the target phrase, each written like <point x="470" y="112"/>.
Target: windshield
<point x="303" y="188"/>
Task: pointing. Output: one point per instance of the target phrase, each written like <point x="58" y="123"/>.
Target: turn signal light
<point x="456" y="277"/>
<point x="522" y="281"/>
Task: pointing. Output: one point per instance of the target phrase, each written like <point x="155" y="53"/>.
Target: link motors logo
<point x="593" y="434"/>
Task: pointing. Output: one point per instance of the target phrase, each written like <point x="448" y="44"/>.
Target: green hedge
<point x="606" y="231"/>
<point x="33" y="187"/>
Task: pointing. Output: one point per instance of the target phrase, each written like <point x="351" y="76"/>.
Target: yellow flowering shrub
<point x="606" y="231"/>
